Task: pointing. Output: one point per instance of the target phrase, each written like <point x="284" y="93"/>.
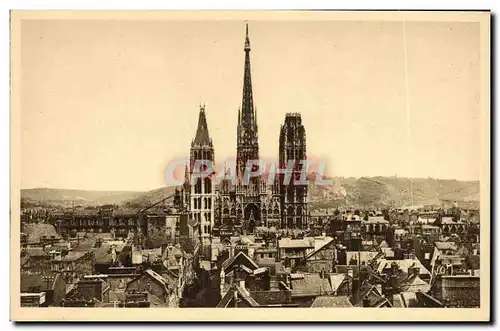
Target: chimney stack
<point x="235" y="298"/>
<point x="366" y="302"/>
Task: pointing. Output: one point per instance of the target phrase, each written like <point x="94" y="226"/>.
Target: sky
<point x="107" y="104"/>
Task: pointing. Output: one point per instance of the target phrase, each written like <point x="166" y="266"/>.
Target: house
<point x="370" y="296"/>
<point x="321" y="259"/>
<point x="52" y="285"/>
<point x="40" y="234"/>
<point x="107" y="254"/>
<point x="35" y="260"/>
<point x="415" y="300"/>
<point x="449" y="226"/>
<point x="88" y="292"/>
<point x="431" y="230"/>
<point x="33" y="299"/>
<point x="375" y="225"/>
<point x="305" y="287"/>
<point x="74" y="265"/>
<point x="237" y="269"/>
<point x="293" y="250"/>
<point x="238" y="297"/>
<point x="384" y="266"/>
<point x="425" y="220"/>
<point x="160" y="292"/>
<point x="457" y="291"/>
<point x="178" y="265"/>
<point x="361" y="257"/>
<point x="244" y="284"/>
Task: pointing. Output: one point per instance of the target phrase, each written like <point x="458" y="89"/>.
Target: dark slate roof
<point x="202" y="136"/>
<point x="44" y="281"/>
<point x="240" y="258"/>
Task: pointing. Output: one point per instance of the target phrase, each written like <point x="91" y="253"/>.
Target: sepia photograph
<point x="191" y="162"/>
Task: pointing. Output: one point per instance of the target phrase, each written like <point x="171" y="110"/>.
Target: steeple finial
<point x="247" y="39"/>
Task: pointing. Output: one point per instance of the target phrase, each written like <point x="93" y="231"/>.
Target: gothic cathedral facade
<point x="239" y="207"/>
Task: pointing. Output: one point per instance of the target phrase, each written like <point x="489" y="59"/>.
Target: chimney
<point x="366" y="302"/>
<point x="231" y="250"/>
<point x="394" y="268"/>
<point x="355" y="289"/>
<point x="235" y="298"/>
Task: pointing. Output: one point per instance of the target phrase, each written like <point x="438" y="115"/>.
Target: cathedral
<point x="238" y="207"/>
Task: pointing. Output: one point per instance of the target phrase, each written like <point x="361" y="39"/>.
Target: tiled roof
<point x="36" y="231"/>
<point x="403" y="265"/>
<point x="73" y="256"/>
<point x="36" y="251"/>
<point x="331" y="302"/>
<point x="414" y="284"/>
<point x="296" y="243"/>
<point x="445" y="245"/>
<point x="310" y="284"/>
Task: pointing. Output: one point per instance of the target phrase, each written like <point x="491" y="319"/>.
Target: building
<point x="200" y="191"/>
<point x="293" y="192"/>
<point x="247" y="201"/>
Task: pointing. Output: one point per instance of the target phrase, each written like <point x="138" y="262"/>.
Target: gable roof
<point x="370" y="292"/>
<point x="403" y="265"/>
<point x="414" y="284"/>
<point x="330" y="242"/>
<point x="241" y="292"/>
<point x="336" y="280"/>
<point x="159" y="278"/>
<point x="240" y="257"/>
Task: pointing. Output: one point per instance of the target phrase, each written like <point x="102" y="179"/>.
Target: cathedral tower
<point x="293" y="195"/>
<point x="202" y="193"/>
<point x="247" y="140"/>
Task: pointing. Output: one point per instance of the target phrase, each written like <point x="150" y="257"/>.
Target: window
<point x="208" y="185"/>
<point x="197" y="187"/>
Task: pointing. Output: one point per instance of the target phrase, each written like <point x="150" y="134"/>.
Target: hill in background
<point x="362" y="192"/>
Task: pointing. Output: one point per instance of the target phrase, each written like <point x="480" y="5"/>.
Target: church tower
<point x="247" y="140"/>
<point x="202" y="193"/>
<point x="293" y="195"/>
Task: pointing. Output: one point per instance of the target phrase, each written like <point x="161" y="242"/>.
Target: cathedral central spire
<point x="247" y="144"/>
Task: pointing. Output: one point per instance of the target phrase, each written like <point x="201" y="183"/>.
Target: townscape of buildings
<point x="255" y="244"/>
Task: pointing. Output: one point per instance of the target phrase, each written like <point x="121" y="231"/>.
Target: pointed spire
<point x="202" y="136"/>
<point x="186" y="176"/>
<point x="247" y="119"/>
<point x="247" y="40"/>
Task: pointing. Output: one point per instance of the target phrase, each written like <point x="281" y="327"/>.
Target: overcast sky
<point x="107" y="104"/>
